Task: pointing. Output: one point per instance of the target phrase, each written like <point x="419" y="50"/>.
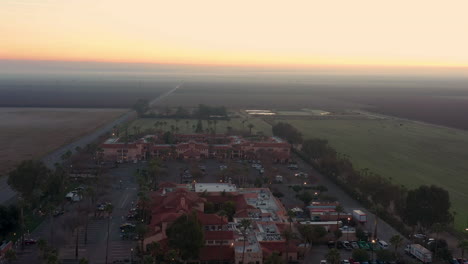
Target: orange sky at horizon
<point x="301" y="33"/>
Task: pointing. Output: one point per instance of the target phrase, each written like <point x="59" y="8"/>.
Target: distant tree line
<point x="423" y="208"/>
<point x="201" y="112"/>
<point x="287" y="132"/>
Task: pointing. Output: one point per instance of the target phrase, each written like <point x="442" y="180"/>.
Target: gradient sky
<point x="325" y="32"/>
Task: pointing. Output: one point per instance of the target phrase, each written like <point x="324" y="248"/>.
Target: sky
<point x="241" y="32"/>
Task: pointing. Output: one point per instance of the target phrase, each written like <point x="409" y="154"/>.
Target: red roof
<point x="211" y="219"/>
<point x="271" y="247"/>
<point x="208" y="253"/>
<point x="219" y="235"/>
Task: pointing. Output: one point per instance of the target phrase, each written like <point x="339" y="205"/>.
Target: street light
<point x="131" y="255"/>
<point x="373" y="244"/>
<point x="347" y="231"/>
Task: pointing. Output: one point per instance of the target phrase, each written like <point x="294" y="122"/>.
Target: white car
<point x="323" y="261"/>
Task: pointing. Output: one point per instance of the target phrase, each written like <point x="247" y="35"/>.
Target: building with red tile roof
<point x="197" y="146"/>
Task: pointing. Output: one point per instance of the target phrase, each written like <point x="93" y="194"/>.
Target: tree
<point x="311" y="234"/>
<point x="274" y="259"/>
<point x="141" y="106"/>
<point x="427" y="205"/>
<point x="28" y="178"/>
<point x="333" y="256"/>
<point x="84" y="261"/>
<point x="229" y="208"/>
<point x="337" y="233"/>
<point x="186" y="236"/>
<point x="287" y="132"/>
<point x="109" y="208"/>
<point x="153" y="248"/>
<point x="385" y="255"/>
<point x="199" y="128"/>
<point x="288" y="235"/>
<point x="463" y="245"/>
<point x="42" y="245"/>
<point x="306" y="197"/>
<point x="396" y="242"/>
<point x="9" y="220"/>
<point x="360" y="255"/>
<point x="250" y="126"/>
<point x="148" y="259"/>
<point x="244" y="225"/>
<point x="141" y="230"/>
<point x="10" y="255"/>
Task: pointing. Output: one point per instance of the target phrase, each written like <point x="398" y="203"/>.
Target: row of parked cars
<point x="350" y="245"/>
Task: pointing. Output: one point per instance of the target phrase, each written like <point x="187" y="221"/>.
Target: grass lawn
<point x="410" y="153"/>
<point x="186" y="126"/>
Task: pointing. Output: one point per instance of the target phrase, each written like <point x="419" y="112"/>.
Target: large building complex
<point x="224" y="239"/>
<point x="196" y="146"/>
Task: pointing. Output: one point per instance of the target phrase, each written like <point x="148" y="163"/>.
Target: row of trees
<point x="38" y="187"/>
<point x="426" y="208"/>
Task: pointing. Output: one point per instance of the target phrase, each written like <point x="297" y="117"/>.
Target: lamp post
<point x="347" y="231"/>
<point x="131" y="255"/>
<point x="373" y="244"/>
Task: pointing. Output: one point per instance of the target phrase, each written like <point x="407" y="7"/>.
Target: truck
<point x="419" y="252"/>
<point x="360" y="216"/>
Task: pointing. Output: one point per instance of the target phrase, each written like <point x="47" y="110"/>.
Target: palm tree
<point x="141" y="230"/>
<point x="91" y="194"/>
<point x="187" y="125"/>
<point x="42" y="245"/>
<point x="244" y="225"/>
<point x="109" y="208"/>
<point x="437" y="227"/>
<point x="291" y="215"/>
<point x="333" y="256"/>
<point x="339" y="209"/>
<point x="396" y="241"/>
<point x="215" y="122"/>
<point x="463" y="245"/>
<point x="250" y="126"/>
<point x="288" y="235"/>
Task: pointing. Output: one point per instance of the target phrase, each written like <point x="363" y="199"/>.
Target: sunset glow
<point x="361" y="32"/>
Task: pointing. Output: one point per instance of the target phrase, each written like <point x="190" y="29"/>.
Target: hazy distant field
<point x="27" y="133"/>
<point x="411" y="154"/>
<point x="76" y="92"/>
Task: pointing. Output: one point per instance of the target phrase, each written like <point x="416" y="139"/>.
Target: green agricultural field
<point x="410" y="153"/>
<point x="187" y="126"/>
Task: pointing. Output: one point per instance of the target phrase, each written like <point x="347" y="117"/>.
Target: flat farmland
<point x="409" y="153"/>
<point x="187" y="125"/>
<point x="30" y="133"/>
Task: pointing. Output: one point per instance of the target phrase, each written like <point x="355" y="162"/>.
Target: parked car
<point x="354" y="245"/>
<point x="30" y="241"/>
<point x="301" y="175"/>
<point x="345" y="261"/>
<point x="363" y="245"/>
<point x="293" y="167"/>
<point x="58" y="213"/>
<point x="127" y="227"/>
<point x="331" y="244"/>
<point x="347" y="245"/>
<point x="323" y="261"/>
